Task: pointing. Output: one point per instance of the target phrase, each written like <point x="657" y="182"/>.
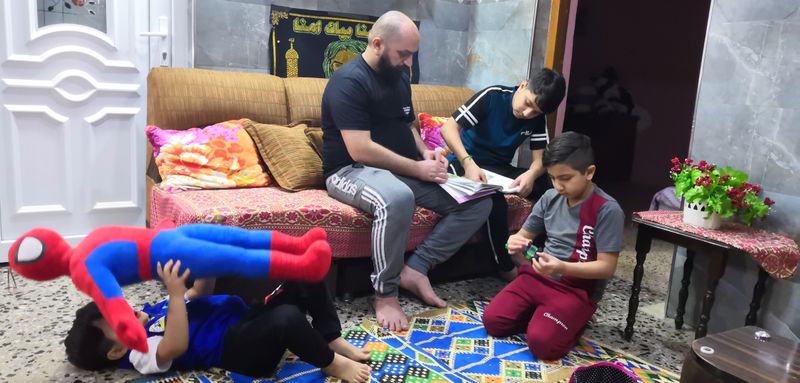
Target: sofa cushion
<point x="304" y="97"/>
<point x="288" y="155"/>
<point x="180" y="98"/>
<point x="438" y="100"/>
<point x="315" y="138"/>
<point x="270" y="208"/>
<point x="218" y="156"/>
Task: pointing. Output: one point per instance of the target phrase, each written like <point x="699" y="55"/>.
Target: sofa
<point x="180" y="98"/>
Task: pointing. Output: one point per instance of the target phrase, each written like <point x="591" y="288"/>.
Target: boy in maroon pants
<point x="554" y="294"/>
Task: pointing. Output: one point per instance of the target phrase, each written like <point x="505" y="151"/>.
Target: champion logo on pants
<point x="554" y="319"/>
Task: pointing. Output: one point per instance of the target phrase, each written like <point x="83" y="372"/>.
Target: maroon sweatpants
<point x="551" y="313"/>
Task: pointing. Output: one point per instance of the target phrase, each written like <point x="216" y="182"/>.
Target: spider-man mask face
<point x="40" y="254"/>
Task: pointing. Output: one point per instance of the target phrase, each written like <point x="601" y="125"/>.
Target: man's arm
<point x="428" y="154"/>
<point x="421" y="146"/>
<point x="450" y="132"/>
<point x="362" y="149"/>
<point x="176" y="332"/>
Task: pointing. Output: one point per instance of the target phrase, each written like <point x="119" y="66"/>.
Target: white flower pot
<point x="695" y="214"/>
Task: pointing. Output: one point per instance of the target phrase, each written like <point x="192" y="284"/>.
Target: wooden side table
<point x="695" y="244"/>
<point x="736" y="355"/>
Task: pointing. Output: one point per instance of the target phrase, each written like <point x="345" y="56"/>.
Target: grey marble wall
<point x="469" y="43"/>
<point x="748" y="116"/>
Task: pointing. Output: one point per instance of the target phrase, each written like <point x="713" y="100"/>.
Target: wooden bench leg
<point x="758" y="294"/>
<point x="688" y="265"/>
<point x="716" y="271"/>
<point x="644" y="240"/>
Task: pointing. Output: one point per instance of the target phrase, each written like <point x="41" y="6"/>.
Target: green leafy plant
<point x="724" y="191"/>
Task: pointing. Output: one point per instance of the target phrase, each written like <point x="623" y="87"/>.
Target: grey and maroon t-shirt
<point x="578" y="233"/>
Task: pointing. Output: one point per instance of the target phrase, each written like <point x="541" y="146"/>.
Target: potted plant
<point x="713" y="193"/>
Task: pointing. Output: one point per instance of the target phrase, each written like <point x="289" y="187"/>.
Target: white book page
<point x="493" y="178"/>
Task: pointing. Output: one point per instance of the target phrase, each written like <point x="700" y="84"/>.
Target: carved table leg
<point x="688" y="265"/>
<point x="644" y="239"/>
<point x="719" y="258"/>
<point x="758" y="293"/>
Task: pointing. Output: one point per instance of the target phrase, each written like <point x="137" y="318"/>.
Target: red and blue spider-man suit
<point x="114" y="256"/>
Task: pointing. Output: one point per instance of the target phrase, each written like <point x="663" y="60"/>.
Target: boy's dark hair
<point x="86" y="344"/>
<point x="571" y="149"/>
<point x="549" y="87"/>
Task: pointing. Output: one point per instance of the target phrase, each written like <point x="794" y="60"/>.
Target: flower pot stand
<point x="779" y="260"/>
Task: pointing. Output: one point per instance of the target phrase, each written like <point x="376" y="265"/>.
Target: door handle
<point x="163" y="28"/>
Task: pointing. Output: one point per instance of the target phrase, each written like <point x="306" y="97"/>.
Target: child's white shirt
<point x="146" y="363"/>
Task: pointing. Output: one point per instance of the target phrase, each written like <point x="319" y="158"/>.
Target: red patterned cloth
<point x="270" y="208"/>
<point x="776" y="253"/>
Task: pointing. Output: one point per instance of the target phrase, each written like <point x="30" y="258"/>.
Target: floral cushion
<point x="270" y="208"/>
<point x="430" y="130"/>
<point x="218" y="156"/>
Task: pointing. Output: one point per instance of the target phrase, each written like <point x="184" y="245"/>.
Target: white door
<point x="72" y="115"/>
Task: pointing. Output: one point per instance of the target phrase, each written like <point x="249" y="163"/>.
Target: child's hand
<point x="175" y="283"/>
<point x="474" y="173"/>
<point x="547" y="264"/>
<point x="517" y="244"/>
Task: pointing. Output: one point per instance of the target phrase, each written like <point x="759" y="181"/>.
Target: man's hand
<point x="433" y="168"/>
<point x="525" y="183"/>
<point x="175" y="283"/>
<point x="436" y="155"/>
<point x="473" y="172"/>
<point x="547" y="264"/>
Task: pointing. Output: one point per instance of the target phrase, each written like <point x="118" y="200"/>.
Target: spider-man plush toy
<point x="114" y="256"/>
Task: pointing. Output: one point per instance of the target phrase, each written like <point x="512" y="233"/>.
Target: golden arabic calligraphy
<point x="300" y="25"/>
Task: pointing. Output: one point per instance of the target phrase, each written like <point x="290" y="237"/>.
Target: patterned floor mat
<point x="444" y="345"/>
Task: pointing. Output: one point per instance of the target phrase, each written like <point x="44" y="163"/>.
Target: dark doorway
<point x="633" y="84"/>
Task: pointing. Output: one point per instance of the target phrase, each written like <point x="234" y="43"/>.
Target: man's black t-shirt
<point x="358" y="98"/>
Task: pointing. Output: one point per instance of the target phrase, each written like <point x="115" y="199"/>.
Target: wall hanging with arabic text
<point x="315" y="44"/>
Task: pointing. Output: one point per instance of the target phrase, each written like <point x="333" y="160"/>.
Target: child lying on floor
<point x="193" y="330"/>
<point x="554" y="295"/>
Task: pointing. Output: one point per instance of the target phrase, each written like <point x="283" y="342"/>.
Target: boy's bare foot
<point x="347" y="370"/>
<point x="348" y="350"/>
<point x="419" y="284"/>
<point x="389" y="313"/>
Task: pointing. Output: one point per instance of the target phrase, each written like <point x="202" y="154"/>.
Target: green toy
<point x="530" y="251"/>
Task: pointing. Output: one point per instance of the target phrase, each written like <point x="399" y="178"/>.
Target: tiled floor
<point x="36" y="316"/>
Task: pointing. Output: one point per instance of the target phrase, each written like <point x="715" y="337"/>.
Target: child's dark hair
<point x="86" y="344"/>
<point x="549" y="87"/>
<point x="571" y="149"/>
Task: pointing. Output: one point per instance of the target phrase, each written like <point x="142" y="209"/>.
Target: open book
<point x="493" y="178"/>
<point x="463" y="189"/>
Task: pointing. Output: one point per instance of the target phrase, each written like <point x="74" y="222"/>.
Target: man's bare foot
<point x="347" y="370"/>
<point x="389" y="313"/>
<point x="348" y="350"/>
<point x="419" y="284"/>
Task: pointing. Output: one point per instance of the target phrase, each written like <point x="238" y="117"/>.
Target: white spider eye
<point x="30" y="249"/>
